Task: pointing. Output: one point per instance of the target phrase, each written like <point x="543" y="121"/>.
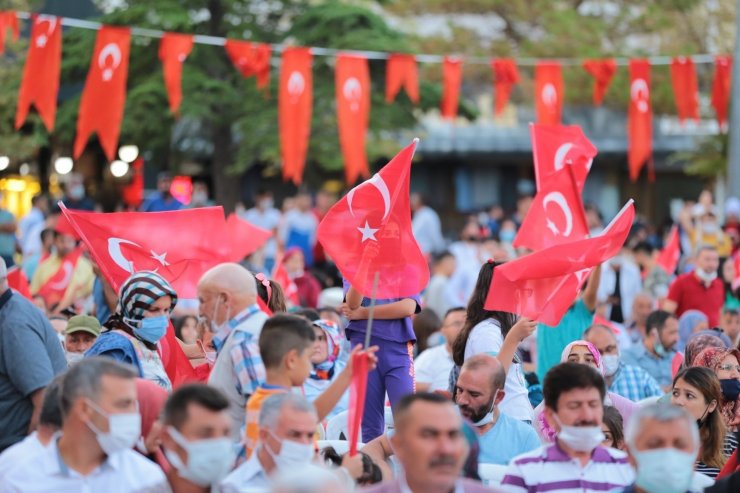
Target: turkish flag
<point x="639" y="118"/>
<point x="166" y="242"/>
<point x="176" y="363"/>
<point x="671" y="252"/>
<point x="173" y="51"/>
<point x="357" y="394"/>
<point x="548" y="86"/>
<point x="505" y="76"/>
<point x="280" y="276"/>
<point x="603" y="72"/>
<point x="244" y="237"/>
<point x="721" y="88"/>
<point x="401" y="72"/>
<point x="104" y="96"/>
<point x="685" y="88"/>
<point x="8" y="20"/>
<point x="251" y="59"/>
<point x="451" y="80"/>
<point x="555" y="147"/>
<point x="352" y="84"/>
<point x="295" y="106"/>
<point x="556" y="214"/>
<point x="543" y="285"/>
<point x="18" y="281"/>
<point x="55" y="286"/>
<point x="40" y="84"/>
<point x="369" y="231"/>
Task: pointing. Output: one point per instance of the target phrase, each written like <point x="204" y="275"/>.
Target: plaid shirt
<point x="634" y="383"/>
<point x="245" y="353"/>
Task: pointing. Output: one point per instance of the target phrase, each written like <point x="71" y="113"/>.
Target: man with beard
<point x="479" y="390"/>
<point x="576" y="461"/>
<point x="655" y="354"/>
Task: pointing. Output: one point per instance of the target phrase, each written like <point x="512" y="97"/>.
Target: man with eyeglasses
<point x="432" y="367"/>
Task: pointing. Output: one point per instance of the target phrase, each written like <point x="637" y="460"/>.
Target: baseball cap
<point x="83" y="323"/>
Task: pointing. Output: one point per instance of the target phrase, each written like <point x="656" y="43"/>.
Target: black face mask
<point x="730" y="388"/>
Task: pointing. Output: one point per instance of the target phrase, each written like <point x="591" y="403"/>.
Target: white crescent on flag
<point x="377" y="182"/>
<point x="51" y="22"/>
<point x="352" y="92"/>
<point x="549" y="94"/>
<point x="114" y="250"/>
<point x="112" y="51"/>
<point x="559" y="199"/>
<point x="64" y="283"/>
<point x="560" y="155"/>
<point x="639" y="93"/>
<point x="296" y="84"/>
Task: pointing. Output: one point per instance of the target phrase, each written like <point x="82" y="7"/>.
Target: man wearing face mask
<point x="655" y="354"/>
<point x="663" y="442"/>
<point x="699" y="290"/>
<point x="228" y="302"/>
<point x="631" y="382"/>
<point x="574" y="396"/>
<point x="101" y="424"/>
<point x="79" y="336"/>
<point x="74" y="194"/>
<point x="287" y="426"/>
<point x="479" y="390"/>
<point x="197" y="438"/>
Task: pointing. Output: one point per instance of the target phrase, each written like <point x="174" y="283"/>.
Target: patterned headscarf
<point x="698" y="343"/>
<point x="711" y="358"/>
<point x="325" y="369"/>
<point x="591" y="349"/>
<point x="139" y="293"/>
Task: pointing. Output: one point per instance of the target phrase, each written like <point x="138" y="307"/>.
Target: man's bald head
<point x="226" y="290"/>
<point x="603" y="338"/>
<point x="229" y="277"/>
<point x="494" y="372"/>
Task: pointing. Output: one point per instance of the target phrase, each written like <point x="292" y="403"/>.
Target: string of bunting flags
<point x="104" y="93"/>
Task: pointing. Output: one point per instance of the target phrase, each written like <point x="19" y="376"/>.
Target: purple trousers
<point x="394" y="375"/>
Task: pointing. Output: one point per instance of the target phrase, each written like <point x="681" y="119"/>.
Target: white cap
<point x="732" y="207"/>
<point x="331" y="297"/>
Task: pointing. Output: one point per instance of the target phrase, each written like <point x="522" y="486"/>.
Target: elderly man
<point x="574" y="408"/>
<point x="101" y="424"/>
<point x="479" y="391"/>
<point x="631" y="382"/>
<point x="663" y="442"/>
<point x="430" y="446"/>
<point x="80" y="334"/>
<point x="30" y="357"/>
<point x="642" y="306"/>
<point x="286" y="441"/>
<point x="228" y="301"/>
<point x="197" y="438"/>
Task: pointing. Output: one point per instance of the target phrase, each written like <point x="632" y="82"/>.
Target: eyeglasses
<point x="266" y="283"/>
<point x="729" y="368"/>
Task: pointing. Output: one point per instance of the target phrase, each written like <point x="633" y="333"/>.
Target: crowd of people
<point x="636" y="389"/>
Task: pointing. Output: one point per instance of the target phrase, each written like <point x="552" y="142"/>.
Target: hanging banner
<point x="401" y="72"/>
<point x="548" y="92"/>
<point x="603" y="72"/>
<point x="639" y="119"/>
<point x="295" y="101"/>
<point x="721" y="89"/>
<point x="505" y="76"/>
<point x="685" y="88"/>
<point x="251" y="60"/>
<point x="173" y="51"/>
<point x="352" y="84"/>
<point x="452" y="78"/>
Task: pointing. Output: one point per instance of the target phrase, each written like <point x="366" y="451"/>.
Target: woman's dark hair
<point x="180" y="323"/>
<point x="426" y="323"/>
<point x="476" y="312"/>
<point x="613" y="420"/>
<point x="712" y="429"/>
<point x="371" y="473"/>
<point x="276" y="302"/>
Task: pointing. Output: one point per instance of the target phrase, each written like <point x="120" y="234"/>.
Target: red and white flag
<point x="18" y="281"/>
<point x="671" y="252"/>
<point x="721" y="89"/>
<point x="251" y="60"/>
<point x="505" y="77"/>
<point x="8" y="20"/>
<point x="295" y="106"/>
<point x="685" y="88"/>
<point x="548" y="92"/>
<point x="352" y="85"/>
<point x="556" y="214"/>
<point x="542" y="285"/>
<point x="104" y="96"/>
<point x="173" y="51"/>
<point x="369" y="231"/>
<point x="244" y="237"/>
<point x="451" y="81"/>
<point x="401" y="72"/>
<point x="558" y="146"/>
<point x="280" y="276"/>
<point x="603" y="72"/>
<point x="639" y="119"/>
<point x="40" y="84"/>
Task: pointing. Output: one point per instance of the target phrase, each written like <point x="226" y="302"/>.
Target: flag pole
<point x="371" y="311"/>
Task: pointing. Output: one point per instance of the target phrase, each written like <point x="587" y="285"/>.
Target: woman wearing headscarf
<point x="326" y="364"/>
<point x="151" y="398"/>
<point x="130" y="335"/>
<point x="689" y="323"/>
<point x="584" y="352"/>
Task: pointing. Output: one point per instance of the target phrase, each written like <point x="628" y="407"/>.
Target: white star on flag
<point x="368" y="233"/>
<point x="160" y="258"/>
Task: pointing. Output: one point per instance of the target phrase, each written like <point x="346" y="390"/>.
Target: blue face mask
<point x="665" y="470"/>
<point x="152" y="329"/>
<point x="507" y="236"/>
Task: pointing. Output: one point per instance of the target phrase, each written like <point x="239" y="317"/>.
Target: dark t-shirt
<point x="30" y="356"/>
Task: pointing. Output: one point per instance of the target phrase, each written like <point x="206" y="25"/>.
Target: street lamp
<point x="4" y="162"/>
<point x="128" y="153"/>
<point x="63" y="165"/>
<point x="118" y="168"/>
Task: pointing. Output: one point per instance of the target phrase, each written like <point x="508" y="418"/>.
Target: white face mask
<point x="292" y="454"/>
<point x="216" y="328"/>
<point x="580" y="438"/>
<point x="123" y="430"/>
<point x="73" y="358"/>
<point x="209" y="460"/>
<point x="705" y="276"/>
<point x="488" y="418"/>
<point x="665" y="470"/>
<point x="611" y="364"/>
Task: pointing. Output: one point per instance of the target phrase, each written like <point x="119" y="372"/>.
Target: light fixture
<point x="63" y="165"/>
<point x="118" y="168"/>
<point x="4" y="162"/>
<point x="24" y="169"/>
<point x="128" y="153"/>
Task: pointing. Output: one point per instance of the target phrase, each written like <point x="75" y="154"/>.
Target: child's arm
<point x="353" y="298"/>
<point x="522" y="329"/>
<point x="398" y="309"/>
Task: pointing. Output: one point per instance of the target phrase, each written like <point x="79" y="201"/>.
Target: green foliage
<point x="708" y="160"/>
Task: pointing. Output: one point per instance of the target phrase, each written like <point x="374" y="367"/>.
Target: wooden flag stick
<point x="371" y="311"/>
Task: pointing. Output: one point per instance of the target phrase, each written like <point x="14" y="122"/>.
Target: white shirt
<point x="486" y="338"/>
<point x="122" y="472"/>
<point x="247" y="478"/>
<point x="427" y="230"/>
<point x="268" y="219"/>
<point x="19" y="453"/>
<point x="29" y="230"/>
<point x="433" y="367"/>
<point x="630" y="284"/>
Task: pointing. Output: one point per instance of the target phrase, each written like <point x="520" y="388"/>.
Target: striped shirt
<point x="550" y="469"/>
<point x="634" y="383"/>
<point x="244" y="354"/>
<point x="728" y="448"/>
<point x="254" y="405"/>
